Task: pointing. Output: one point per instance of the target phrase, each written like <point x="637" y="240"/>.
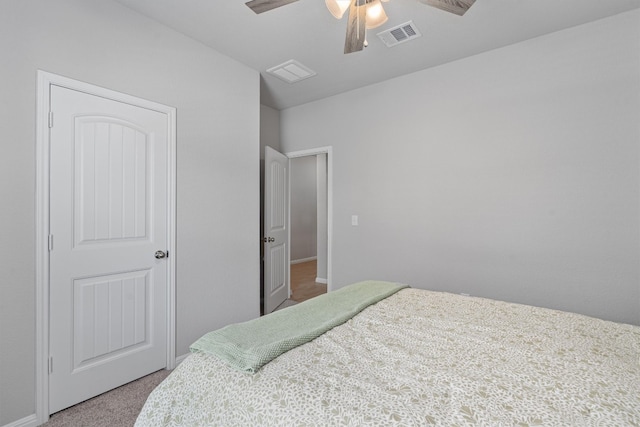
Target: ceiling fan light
<point x="376" y="15"/>
<point x="337" y="7"/>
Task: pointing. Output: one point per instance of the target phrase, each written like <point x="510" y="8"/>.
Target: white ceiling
<point x="307" y="32"/>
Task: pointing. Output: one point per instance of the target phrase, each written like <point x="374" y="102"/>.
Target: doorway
<point x="269" y="269"/>
<point x="311" y="223"/>
<point x="308" y="225"/>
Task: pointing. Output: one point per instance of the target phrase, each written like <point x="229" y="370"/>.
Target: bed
<point x="413" y="358"/>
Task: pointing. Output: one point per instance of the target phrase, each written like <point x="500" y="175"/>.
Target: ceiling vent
<point x="291" y="71"/>
<point x="400" y="34"/>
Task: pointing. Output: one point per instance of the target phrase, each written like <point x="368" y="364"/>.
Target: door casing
<point x="44" y="81"/>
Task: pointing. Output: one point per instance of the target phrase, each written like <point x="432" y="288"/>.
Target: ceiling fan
<point x="363" y="14"/>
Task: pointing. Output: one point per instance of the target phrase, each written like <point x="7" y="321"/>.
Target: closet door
<point x="109" y="237"/>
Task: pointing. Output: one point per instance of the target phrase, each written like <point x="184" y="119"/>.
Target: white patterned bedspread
<point x="423" y="358"/>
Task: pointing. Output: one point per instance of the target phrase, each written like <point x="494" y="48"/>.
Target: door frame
<point x="42" y="230"/>
<point x="328" y="150"/>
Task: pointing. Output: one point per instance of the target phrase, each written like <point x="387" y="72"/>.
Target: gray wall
<point x="269" y="129"/>
<point x="217" y="99"/>
<point x="303" y="207"/>
<point x="513" y="174"/>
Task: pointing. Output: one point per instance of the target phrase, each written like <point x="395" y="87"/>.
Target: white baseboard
<point x="28" y="421"/>
<point x="298" y="261"/>
<point x="321" y="280"/>
<point x="180" y="359"/>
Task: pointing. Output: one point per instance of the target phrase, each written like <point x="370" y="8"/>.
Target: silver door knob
<point x="268" y="239"/>
<point x="160" y="254"/>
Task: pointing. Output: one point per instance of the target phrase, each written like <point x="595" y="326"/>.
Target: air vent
<point x="400" y="34"/>
<point x="291" y="71"/>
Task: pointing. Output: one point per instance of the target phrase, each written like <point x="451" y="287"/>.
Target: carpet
<point x="285" y="304"/>
<point x="115" y="408"/>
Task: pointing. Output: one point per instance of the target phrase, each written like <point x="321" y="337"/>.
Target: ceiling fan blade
<point x="459" y="7"/>
<point x="259" y="6"/>
<point x="356" y="27"/>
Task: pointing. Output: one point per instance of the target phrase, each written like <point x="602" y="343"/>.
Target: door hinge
<point x="51" y="365"/>
<point x="50" y="242"/>
<point x="50" y="119"/>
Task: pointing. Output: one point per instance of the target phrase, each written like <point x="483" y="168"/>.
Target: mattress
<point x="423" y="358"/>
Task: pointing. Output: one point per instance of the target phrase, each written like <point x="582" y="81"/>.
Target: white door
<point x="276" y="229"/>
<point x="108" y="217"/>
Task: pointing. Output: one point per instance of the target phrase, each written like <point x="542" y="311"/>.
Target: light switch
<point x="354" y="219"/>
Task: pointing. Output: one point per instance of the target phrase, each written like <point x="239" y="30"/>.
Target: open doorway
<point x="275" y="217"/>
<point x="308" y="225"/>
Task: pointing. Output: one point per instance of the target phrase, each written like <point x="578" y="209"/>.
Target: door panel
<point x="276" y="226"/>
<point x="110" y="180"/>
<point x="111" y="317"/>
<point x="277" y="269"/>
<point x="108" y="216"/>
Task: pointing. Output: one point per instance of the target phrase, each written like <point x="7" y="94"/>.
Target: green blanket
<point x="250" y="345"/>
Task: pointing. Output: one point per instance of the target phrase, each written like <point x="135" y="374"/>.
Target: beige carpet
<point x="285" y="304"/>
<point x="115" y="408"/>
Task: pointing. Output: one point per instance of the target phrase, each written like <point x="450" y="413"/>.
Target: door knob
<point x="160" y="254"/>
<point x="268" y="239"/>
